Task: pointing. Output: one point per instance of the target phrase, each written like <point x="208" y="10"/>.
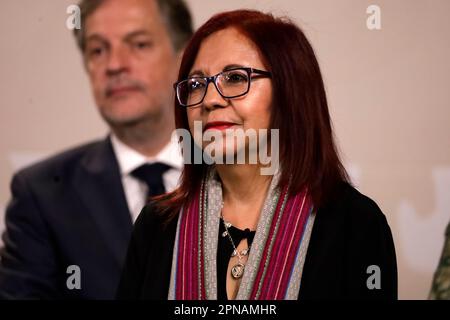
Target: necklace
<point x="238" y="269"/>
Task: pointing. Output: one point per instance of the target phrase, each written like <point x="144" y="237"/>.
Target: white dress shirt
<point x="129" y="159"/>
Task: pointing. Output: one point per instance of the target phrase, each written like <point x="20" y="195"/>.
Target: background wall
<point x="388" y="93"/>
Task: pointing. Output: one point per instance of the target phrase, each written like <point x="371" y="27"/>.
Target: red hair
<point x="308" y="155"/>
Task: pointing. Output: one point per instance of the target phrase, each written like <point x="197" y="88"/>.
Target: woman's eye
<point x="195" y="85"/>
<point x="236" y="77"/>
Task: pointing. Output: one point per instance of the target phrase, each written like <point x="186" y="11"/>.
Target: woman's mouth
<point x="218" y="125"/>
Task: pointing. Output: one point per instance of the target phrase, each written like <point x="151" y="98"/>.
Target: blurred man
<point x="70" y="217"/>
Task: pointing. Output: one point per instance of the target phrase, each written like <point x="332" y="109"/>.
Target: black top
<point x="224" y="251"/>
<point x="350" y="234"/>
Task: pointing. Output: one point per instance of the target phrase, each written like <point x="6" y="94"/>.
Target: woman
<point x="231" y="232"/>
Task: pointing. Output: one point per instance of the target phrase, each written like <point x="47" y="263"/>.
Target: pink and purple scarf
<point x="274" y="268"/>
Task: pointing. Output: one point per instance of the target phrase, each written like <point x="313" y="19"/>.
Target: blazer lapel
<point x="100" y="188"/>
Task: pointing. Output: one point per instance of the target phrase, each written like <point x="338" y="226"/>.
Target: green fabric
<point x="440" y="289"/>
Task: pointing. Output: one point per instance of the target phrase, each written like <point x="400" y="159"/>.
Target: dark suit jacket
<point x="67" y="210"/>
<point x="349" y="235"/>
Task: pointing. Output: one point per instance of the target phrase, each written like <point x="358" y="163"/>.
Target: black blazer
<point x="349" y="235"/>
<point x="67" y="210"/>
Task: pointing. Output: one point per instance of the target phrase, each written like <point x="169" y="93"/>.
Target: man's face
<point x="130" y="61"/>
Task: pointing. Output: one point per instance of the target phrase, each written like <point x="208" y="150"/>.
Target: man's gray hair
<point x="175" y="14"/>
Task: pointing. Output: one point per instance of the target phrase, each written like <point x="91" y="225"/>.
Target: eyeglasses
<point x="231" y="83"/>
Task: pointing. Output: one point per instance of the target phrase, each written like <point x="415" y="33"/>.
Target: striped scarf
<point x="274" y="267"/>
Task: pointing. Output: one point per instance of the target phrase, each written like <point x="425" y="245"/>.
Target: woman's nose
<point x="213" y="98"/>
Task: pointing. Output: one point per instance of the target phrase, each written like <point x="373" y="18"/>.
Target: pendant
<point x="245" y="252"/>
<point x="237" y="270"/>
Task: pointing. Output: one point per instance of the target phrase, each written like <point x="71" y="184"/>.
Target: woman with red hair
<point x="231" y="232"/>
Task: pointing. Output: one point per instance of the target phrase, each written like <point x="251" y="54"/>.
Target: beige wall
<point x="388" y="91"/>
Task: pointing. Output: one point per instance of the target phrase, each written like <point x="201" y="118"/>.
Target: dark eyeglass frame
<point x="214" y="78"/>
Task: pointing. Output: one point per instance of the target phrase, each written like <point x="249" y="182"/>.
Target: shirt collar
<point x="129" y="159"/>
